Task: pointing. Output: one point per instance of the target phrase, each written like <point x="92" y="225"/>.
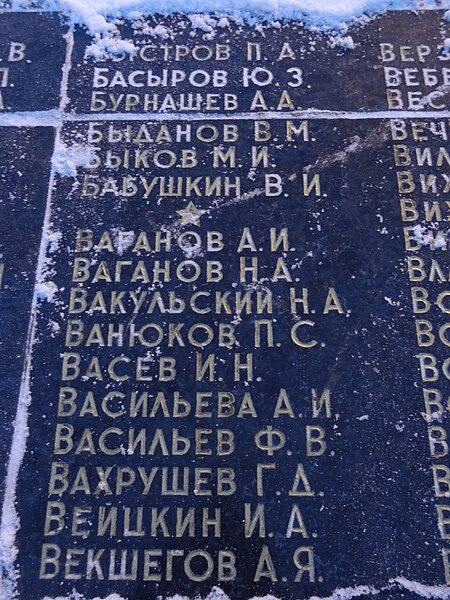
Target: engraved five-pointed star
<point x="191" y="214"/>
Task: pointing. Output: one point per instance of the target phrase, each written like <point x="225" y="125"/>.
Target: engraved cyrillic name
<point x="150" y="309"/>
<point x="420" y="152"/>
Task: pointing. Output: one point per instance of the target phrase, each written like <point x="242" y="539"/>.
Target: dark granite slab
<point x="186" y="241"/>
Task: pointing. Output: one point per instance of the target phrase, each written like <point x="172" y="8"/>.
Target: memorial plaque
<point x="232" y="377"/>
<point x="32" y="53"/>
<point x="24" y="177"/>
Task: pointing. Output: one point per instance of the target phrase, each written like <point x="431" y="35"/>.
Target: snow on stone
<point x="341" y="41"/>
<point x="426" y="238"/>
<point x="76" y="596"/>
<point x="45" y="288"/>
<point x="436" y="592"/>
<point x="391" y="302"/>
<point x="203" y="22"/>
<point x="215" y="594"/>
<point x="446" y="46"/>
<point x="109" y="46"/>
<point x="100" y="17"/>
<point x="66" y="159"/>
<point x="122" y="239"/>
<point x="52" y="240"/>
<point x="440" y="592"/>
<point x="350" y="592"/>
<point x="159" y="31"/>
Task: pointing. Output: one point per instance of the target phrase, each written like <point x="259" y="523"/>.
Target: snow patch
<point x="66" y="159"/>
<point x="52" y="240"/>
<point x="203" y="22"/>
<point x="347" y="593"/>
<point x="101" y="18"/>
<point x="109" y="46"/>
<point x="159" y="31"/>
<point x="46" y="290"/>
<point x="215" y="594"/>
<point x="76" y="596"/>
<point x="122" y="239"/>
<point x="425" y="237"/>
<point x="446" y="45"/>
<point x="391" y="302"/>
<point x="340" y="41"/>
<point x="436" y="592"/>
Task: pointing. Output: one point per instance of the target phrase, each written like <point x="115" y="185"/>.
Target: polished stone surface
<point x="158" y="227"/>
